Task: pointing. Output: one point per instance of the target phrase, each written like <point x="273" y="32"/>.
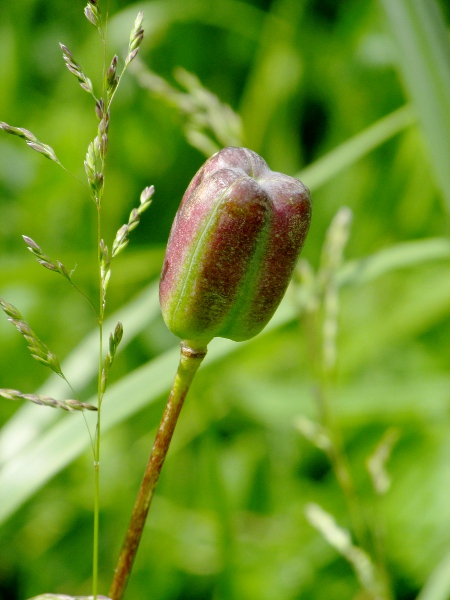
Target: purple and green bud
<point x="232" y="249"/>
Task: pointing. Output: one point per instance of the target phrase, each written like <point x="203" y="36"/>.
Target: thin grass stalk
<point x="101" y="316"/>
<point x="98" y="425"/>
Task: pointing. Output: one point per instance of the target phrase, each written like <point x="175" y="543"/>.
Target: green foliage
<point x="332" y="92"/>
<point x="423" y="55"/>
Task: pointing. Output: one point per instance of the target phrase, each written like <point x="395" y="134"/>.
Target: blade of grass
<point x="437" y="586"/>
<point x="400" y="256"/>
<point x="276" y="71"/>
<point x="346" y="154"/>
<point x="423" y="45"/>
<point x="423" y="304"/>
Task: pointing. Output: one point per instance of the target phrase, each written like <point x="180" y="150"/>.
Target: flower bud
<point x="232" y="249"/>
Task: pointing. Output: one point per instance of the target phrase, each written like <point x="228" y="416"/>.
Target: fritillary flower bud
<point x="232" y="249"/>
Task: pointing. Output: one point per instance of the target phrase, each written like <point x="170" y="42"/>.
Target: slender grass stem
<point x="190" y="360"/>
<point x="97" y="478"/>
<point x="101" y="315"/>
<point x="98" y="427"/>
<point x="96" y="527"/>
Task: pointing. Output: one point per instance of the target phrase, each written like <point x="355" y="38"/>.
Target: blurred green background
<point x="309" y="78"/>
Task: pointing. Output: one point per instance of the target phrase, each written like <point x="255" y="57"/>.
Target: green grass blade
<point x="438" y="585"/>
<point x="423" y="53"/>
<point x="400" y="256"/>
<point x="275" y="73"/>
<point x="331" y="164"/>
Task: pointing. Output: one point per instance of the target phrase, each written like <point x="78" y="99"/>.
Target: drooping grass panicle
<point x="68" y="405"/>
<point x="75" y="68"/>
<point x="57" y="267"/>
<point x="31" y="141"/>
<point x="121" y="240"/>
<point x="39" y="351"/>
<point x="210" y="115"/>
<point x="45" y="260"/>
<point x="209" y="123"/>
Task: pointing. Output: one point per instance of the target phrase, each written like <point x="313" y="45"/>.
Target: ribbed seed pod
<point x="232" y="249"/>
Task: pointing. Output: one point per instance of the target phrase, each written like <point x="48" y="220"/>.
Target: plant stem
<point x="97" y="197"/>
<point x="97" y="476"/>
<point x="190" y="360"/>
<point x="96" y="528"/>
<point x="98" y="427"/>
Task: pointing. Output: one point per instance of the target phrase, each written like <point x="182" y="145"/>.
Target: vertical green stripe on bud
<point x="232" y="248"/>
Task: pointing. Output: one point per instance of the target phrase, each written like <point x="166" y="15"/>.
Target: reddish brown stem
<point x="190" y="360"/>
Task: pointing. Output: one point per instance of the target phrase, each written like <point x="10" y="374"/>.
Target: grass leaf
<point x="346" y="154"/>
<point x="438" y="585"/>
<point x="423" y="58"/>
